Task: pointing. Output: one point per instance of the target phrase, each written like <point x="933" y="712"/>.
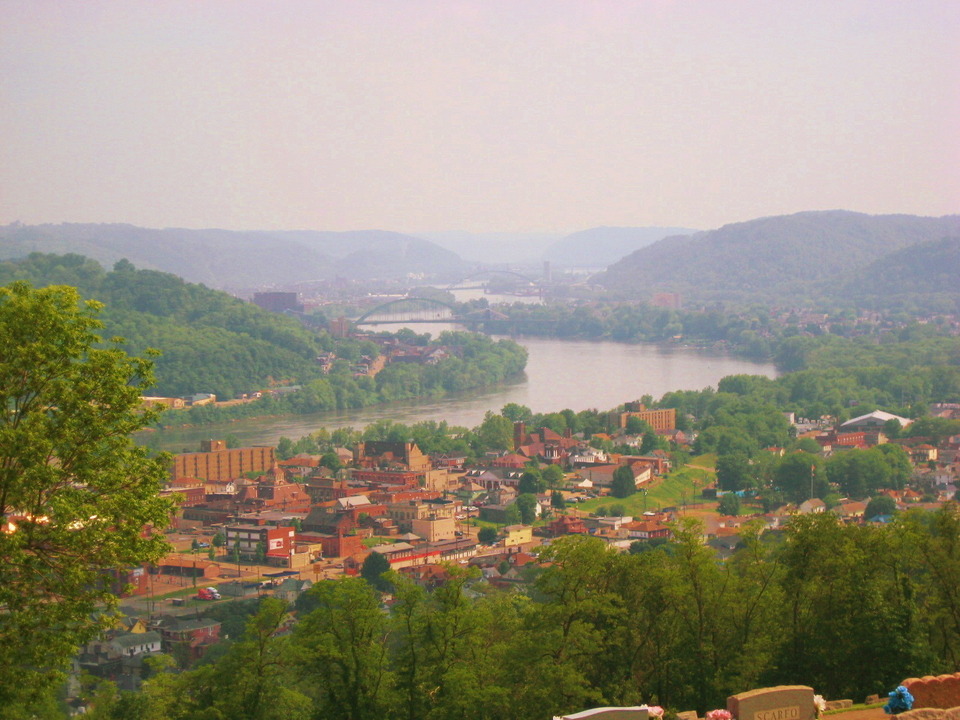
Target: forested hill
<point x="211" y="341"/>
<point x="794" y="258"/>
<point x="227" y="259"/>
<point x="601" y="246"/>
<point x="922" y="275"/>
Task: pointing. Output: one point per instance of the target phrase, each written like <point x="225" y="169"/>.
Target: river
<point x="575" y="374"/>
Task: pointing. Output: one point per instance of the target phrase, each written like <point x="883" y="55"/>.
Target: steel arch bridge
<point x="429" y="313"/>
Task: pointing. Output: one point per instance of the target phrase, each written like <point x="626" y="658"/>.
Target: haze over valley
<point x="497" y="360"/>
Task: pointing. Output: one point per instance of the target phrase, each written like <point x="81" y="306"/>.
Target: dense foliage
<point x="75" y="492"/>
<point x="478" y="361"/>
<point x="755" y="332"/>
<point x="212" y="342"/>
<point x="807" y="256"/>
<point x="849" y="610"/>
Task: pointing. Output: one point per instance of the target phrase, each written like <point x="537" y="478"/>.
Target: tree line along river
<point x="560" y="374"/>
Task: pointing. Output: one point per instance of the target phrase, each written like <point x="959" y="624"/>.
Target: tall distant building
<point x="278" y="301"/>
<point x="215" y="462"/>
<point x="664" y="419"/>
<point x="340" y="327"/>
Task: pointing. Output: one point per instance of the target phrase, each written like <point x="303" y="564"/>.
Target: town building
<point x="662" y="419"/>
<point x="217" y="463"/>
<point x="275" y="541"/>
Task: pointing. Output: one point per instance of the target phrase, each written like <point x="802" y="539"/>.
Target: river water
<point x="560" y="374"/>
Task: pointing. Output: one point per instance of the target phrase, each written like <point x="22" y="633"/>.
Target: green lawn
<point x="680" y="486"/>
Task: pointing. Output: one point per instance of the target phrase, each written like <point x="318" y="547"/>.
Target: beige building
<point x="404" y="513"/>
<point x="517" y="535"/>
<point x="433" y="529"/>
<point x="665" y="419"/>
<point x="440" y="480"/>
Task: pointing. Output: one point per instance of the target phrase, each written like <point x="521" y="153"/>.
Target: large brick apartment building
<point x="665" y="419"/>
<point x="217" y="463"/>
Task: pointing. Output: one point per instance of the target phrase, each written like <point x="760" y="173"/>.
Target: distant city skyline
<point x="542" y="116"/>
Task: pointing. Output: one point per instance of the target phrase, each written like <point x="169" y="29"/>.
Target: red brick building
<point x="271" y="491"/>
<point x="567" y="525"/>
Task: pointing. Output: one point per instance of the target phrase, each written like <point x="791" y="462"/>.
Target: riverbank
<point x="575" y="374"/>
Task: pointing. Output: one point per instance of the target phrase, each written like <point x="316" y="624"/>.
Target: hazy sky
<point x="521" y="115"/>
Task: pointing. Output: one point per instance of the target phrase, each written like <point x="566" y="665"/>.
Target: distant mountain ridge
<point x="794" y="257"/>
<point x="494" y="248"/>
<point x="924" y="273"/>
<point x="602" y="246"/>
<point x="233" y="259"/>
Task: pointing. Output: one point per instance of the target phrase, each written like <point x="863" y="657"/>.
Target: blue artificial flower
<point x="900" y="701"/>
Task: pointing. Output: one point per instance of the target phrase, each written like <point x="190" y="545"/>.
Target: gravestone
<point x="784" y="702"/>
<point x="609" y="713"/>
<point x="922" y="714"/>
<point x="940" y="691"/>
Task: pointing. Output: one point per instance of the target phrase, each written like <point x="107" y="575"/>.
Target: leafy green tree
<point x="733" y="472"/>
<point x="936" y="542"/>
<point x="623" y="484"/>
<point x="636" y="426"/>
<point x="495" y="432"/>
<point x="652" y="441"/>
<point x="892" y="428"/>
<point x="729" y="504"/>
<point x="808" y="445"/>
<point x="373" y="569"/>
<point x="253" y="680"/>
<point x="75" y="492"/>
<point x="487" y="535"/>
<point x="898" y="462"/>
<point x="935" y="428"/>
<point x="557" y="501"/>
<point x="331" y="461"/>
<point x="284" y="449"/>
<point x="516" y="413"/>
<point x="531" y="482"/>
<point x="569" y="636"/>
<point x="552" y="475"/>
<point x="527" y="504"/>
<point x="341" y="650"/>
<point x="844" y="587"/>
<point x="219" y="540"/>
<point x="800" y="475"/>
<point x="880" y="505"/>
<point x="859" y="472"/>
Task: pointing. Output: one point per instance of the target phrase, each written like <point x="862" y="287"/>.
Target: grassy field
<point x="680" y="487"/>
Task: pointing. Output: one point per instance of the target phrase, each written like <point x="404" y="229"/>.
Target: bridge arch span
<point x="419" y="302"/>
